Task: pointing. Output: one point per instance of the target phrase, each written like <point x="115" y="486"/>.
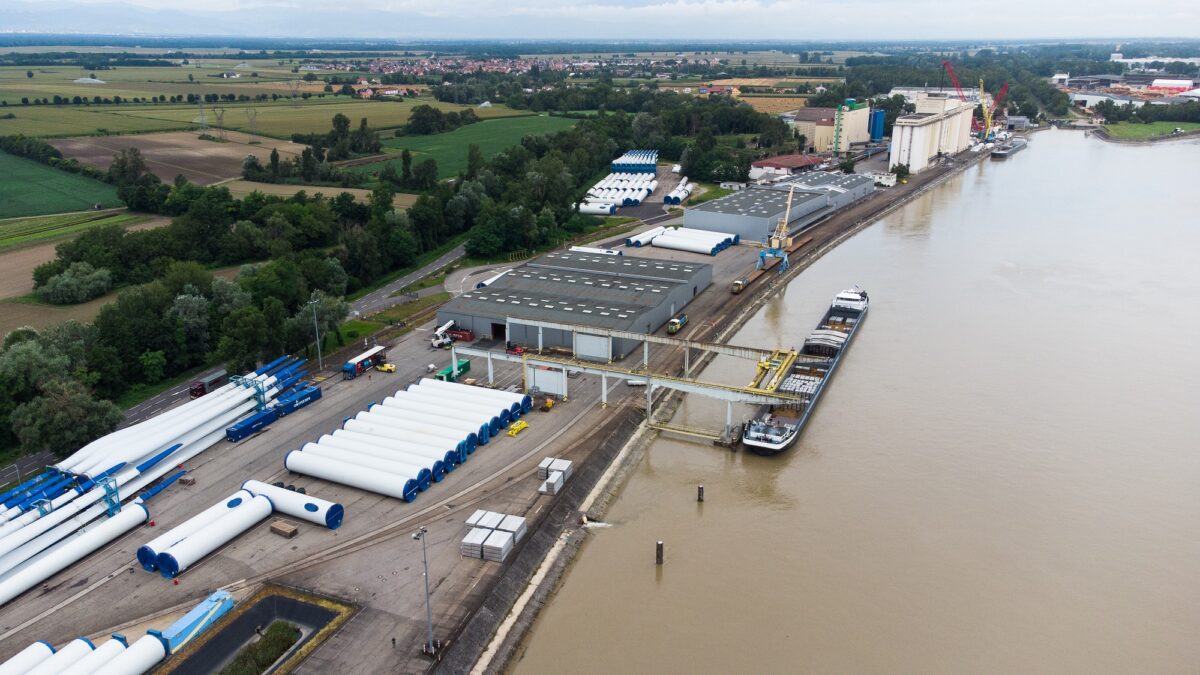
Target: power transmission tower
<point x="252" y="117"/>
<point x="220" y="113"/>
<point x="294" y="86"/>
<point x="202" y="119"/>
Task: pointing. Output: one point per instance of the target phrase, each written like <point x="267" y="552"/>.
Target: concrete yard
<point x="371" y="560"/>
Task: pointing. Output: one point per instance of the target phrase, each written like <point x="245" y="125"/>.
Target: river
<point x="1003" y="476"/>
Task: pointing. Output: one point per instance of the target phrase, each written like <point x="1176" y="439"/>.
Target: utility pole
<point x="317" y="331"/>
<point x="420" y="536"/>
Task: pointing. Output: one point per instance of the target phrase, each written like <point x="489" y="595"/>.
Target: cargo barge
<point x="1010" y="148"/>
<point x="775" y="428"/>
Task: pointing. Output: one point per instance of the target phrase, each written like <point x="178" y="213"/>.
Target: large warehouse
<point x="754" y="213"/>
<point x="940" y="126"/>
<point x="617" y="292"/>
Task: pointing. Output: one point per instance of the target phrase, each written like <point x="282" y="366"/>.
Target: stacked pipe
<point x="98" y="657"/>
<point x="71" y="653"/>
<point x="638" y="161"/>
<point x="138" y="658"/>
<point x="680" y="193"/>
<point x="48" y="521"/>
<point x="600" y="208"/>
<point x="241" y="515"/>
<point x="644" y="238"/>
<point x="695" y="241"/>
<point x="402" y="444"/>
<point x="621" y="189"/>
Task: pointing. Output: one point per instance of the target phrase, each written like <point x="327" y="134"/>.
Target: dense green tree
<point x="154" y="366"/>
<point x="245" y="339"/>
<point x="475" y="160"/>
<point x="63" y="418"/>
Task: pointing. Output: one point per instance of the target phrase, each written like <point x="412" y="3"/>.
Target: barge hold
<point x="1009" y="149"/>
<point x="775" y="428"/>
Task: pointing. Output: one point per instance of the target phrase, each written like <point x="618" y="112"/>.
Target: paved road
<point x="382" y="299"/>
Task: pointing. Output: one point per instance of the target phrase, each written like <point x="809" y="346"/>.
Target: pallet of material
<point x="544" y="468"/>
<point x="514" y="525"/>
<point x="472" y="544"/>
<point x="553" y="484"/>
<point x="561" y="465"/>
<point x="284" y="529"/>
<point x="497" y="546"/>
<point x="473" y="521"/>
<point x="490" y="520"/>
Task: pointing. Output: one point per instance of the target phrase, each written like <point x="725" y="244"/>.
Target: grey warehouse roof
<point x="501" y="303"/>
<point x="822" y="180"/>
<point x="760" y="202"/>
<point x="618" y="265"/>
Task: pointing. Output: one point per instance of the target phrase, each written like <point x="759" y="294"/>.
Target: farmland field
<point x="28" y="188"/>
<point x="51" y="121"/>
<point x="775" y="104"/>
<point x="181" y="152"/>
<point x="24" y="231"/>
<point x="241" y="188"/>
<point x="450" y="149"/>
<point x="281" y="119"/>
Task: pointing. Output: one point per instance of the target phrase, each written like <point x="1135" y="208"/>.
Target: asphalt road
<point x="382" y="299"/>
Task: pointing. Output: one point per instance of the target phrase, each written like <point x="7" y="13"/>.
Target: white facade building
<point x="941" y="126"/>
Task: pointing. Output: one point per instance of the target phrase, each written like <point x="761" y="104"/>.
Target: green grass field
<point x="279" y="119"/>
<point x="24" y="231"/>
<point x="28" y="188"/>
<point x="1142" y="132"/>
<point x="450" y="149"/>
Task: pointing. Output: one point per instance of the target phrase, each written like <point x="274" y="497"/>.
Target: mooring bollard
<point x="699" y="493"/>
<point x="658" y="554"/>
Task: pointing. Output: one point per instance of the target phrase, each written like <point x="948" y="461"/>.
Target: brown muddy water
<point x="1004" y="475"/>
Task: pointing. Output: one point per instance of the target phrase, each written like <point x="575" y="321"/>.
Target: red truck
<point x="207" y="383"/>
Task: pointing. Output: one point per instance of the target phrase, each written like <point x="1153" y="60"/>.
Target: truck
<point x="767" y="264"/>
<point x="207" y="383"/>
<point x="447" y="334"/>
<point x="363" y="362"/>
<point x="677" y="324"/>
<point x="448" y="375"/>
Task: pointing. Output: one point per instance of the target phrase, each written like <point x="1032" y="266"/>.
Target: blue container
<point x="875" y="126"/>
<point x="297" y="400"/>
<point x="251" y="424"/>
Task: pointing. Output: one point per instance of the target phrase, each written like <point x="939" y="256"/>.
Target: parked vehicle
<point x="448" y="375"/>
<point x="677" y="324"/>
<point x="206" y="384"/>
<point x="365" y="361"/>
<point x="517" y="427"/>
<point x="510" y="348"/>
<point x="387" y="367"/>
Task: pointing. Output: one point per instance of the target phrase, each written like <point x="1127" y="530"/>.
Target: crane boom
<point x="954" y="79"/>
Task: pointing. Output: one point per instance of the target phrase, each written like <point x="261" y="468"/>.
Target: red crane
<point x="954" y="79"/>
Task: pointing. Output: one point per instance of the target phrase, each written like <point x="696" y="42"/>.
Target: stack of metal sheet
<point x="561" y="465"/>
<point x="473" y="521"/>
<point x="553" y="484"/>
<point x="514" y="525"/>
<point x="544" y="468"/>
<point x="472" y="544"/>
<point x="497" y="546"/>
<point x="490" y="520"/>
<point x="800" y="384"/>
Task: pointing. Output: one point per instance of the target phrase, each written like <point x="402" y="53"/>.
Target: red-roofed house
<point x="783" y="165"/>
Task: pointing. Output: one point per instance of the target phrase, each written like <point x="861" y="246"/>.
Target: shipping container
<point x="251" y="424"/>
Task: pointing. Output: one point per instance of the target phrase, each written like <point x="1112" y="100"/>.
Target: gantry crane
<point x="781" y="240"/>
<point x="990" y="111"/>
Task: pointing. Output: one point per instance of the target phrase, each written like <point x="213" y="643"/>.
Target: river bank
<point x="830" y="547"/>
<point x="560" y="539"/>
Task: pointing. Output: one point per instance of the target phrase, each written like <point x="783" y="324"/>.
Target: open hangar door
<point x="593" y="347"/>
<point x="545" y="379"/>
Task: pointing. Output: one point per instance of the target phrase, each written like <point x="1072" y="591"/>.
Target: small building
<point x="229" y="74"/>
<point x="366" y="92"/>
<point x="754" y="213"/>
<point x="732" y="185"/>
<point x="1089" y="100"/>
<point x="616" y="292"/>
<point x="911" y="94"/>
<point x="1192" y="95"/>
<point x="1170" y="85"/>
<point x="1017" y="123"/>
<point x="1060" y="79"/>
<point x="783" y="165"/>
<point x="819" y="126"/>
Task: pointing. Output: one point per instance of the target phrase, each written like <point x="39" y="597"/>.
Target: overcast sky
<point x="614" y="19"/>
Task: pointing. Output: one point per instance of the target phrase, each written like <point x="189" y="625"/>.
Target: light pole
<point x="419" y="535"/>
<point x="317" y="331"/>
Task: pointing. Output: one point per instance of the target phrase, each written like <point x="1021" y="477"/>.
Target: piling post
<point x="658" y="553"/>
<point x="699" y="493"/>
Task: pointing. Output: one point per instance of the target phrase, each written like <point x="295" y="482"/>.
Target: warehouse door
<point x="592" y="347"/>
<point x="499" y="332"/>
<point x="546" y="380"/>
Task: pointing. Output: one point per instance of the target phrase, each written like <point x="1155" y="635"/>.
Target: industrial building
<point x="819" y="126"/>
<point x="911" y="94"/>
<point x="784" y="165"/>
<point x="754" y="213"/>
<point x="940" y="126"/>
<point x="618" y="292"/>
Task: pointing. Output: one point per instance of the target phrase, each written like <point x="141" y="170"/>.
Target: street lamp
<point x="317" y="331"/>
<point x="419" y="535"/>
